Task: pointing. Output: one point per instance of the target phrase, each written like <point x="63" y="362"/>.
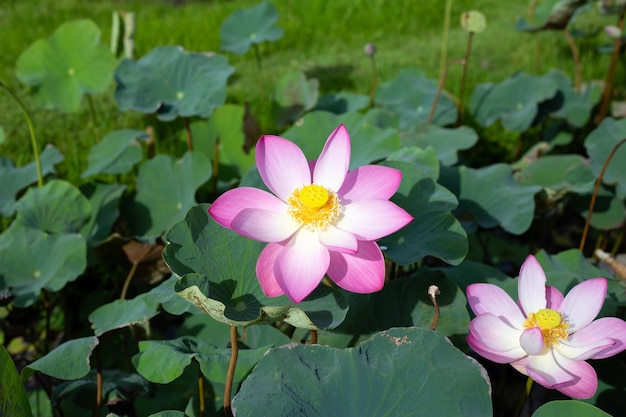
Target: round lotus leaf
<point x="445" y="141"/>
<point x="70" y="62"/>
<point x="409" y="372"/>
<point x="245" y="27"/>
<point x="410" y="96"/>
<point x="569" y="408"/>
<point x="473" y="21"/>
<point x="172" y="82"/>
<point x="599" y="145"/>
<point x="558" y="173"/>
<point x="117" y="153"/>
<point x="295" y="95"/>
<point x="218" y="275"/>
<point x="57" y="207"/>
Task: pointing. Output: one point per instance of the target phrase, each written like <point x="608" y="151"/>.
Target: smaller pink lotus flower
<point x="545" y="335"/>
<point x="321" y="218"/>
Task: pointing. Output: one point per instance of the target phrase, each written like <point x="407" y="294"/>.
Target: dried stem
<point x="231" y="371"/>
<point x="31" y="130"/>
<point x="313" y="338"/>
<point x="607" y="92"/>
<point x="576" y="58"/>
<point x="433" y="292"/>
<point x="594" y="195"/>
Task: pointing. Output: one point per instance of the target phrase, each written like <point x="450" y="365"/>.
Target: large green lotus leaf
<point x="558" y="173"/>
<point x="118" y="152"/>
<point x="566" y="269"/>
<point x="217" y="267"/>
<point x="163" y="361"/>
<point x="445" y="142"/>
<point x="172" y="82"/>
<point x="609" y="211"/>
<point x="263" y="335"/>
<point x="104" y="200"/>
<point x="165" y="191"/>
<point x="31" y="259"/>
<point x="490" y="197"/>
<point x="369" y="143"/>
<point x="568" y="408"/>
<point x="405" y="302"/>
<point x="575" y="106"/>
<point x="599" y="145"/>
<point x="123" y="313"/>
<point x="224" y="124"/>
<point x="117" y="387"/>
<point x="434" y="230"/>
<point x="169" y="413"/>
<point x="69" y="360"/>
<point x="410" y="95"/>
<point x="295" y="95"/>
<point x="14" y="179"/>
<point x="405" y="372"/>
<point x="13" y="398"/>
<point x="245" y="27"/>
<point x="342" y="102"/>
<point x="515" y="101"/>
<point x="57" y="207"/>
<point x="70" y="62"/>
<point x="551" y="15"/>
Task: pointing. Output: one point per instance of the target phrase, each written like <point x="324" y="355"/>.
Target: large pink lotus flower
<point x="322" y="218"/>
<point x="546" y="336"/>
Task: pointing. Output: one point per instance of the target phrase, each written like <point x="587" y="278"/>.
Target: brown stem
<point x="132" y="271"/>
<point x="468" y="50"/>
<point x="433" y="292"/>
<point x="607" y="92"/>
<point x="96" y="412"/>
<point x="576" y="58"/>
<point x="442" y="81"/>
<point x="592" y="203"/>
<point x="231" y="371"/>
<point x="313" y="338"/>
<point x="189" y="137"/>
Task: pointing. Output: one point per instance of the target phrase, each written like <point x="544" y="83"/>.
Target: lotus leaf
<point x="246" y="27"/>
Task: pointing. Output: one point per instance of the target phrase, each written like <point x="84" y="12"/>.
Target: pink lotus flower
<point x="321" y="219"/>
<point x="545" y="335"/>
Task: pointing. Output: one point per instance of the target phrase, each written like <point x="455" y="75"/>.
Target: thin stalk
<point x="47" y="309"/>
<point x="201" y="391"/>
<point x="94" y="118"/>
<point x="31" y="130"/>
<point x="261" y="78"/>
<point x="132" y="271"/>
<point x="592" y="203"/>
<point x="618" y="242"/>
<point x="96" y="411"/>
<point x="607" y="92"/>
<point x="374" y="81"/>
<point x="468" y="49"/>
<point x="442" y="81"/>
<point x="216" y="164"/>
<point x="524" y="398"/>
<point x="234" y="351"/>
<point x="189" y="137"/>
<point x="433" y="292"/>
<point x="313" y="338"/>
<point x="444" y="38"/>
<point x="576" y="58"/>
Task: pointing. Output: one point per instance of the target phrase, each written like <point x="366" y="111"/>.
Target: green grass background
<point x="323" y="38"/>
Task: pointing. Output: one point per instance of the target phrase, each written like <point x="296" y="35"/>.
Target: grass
<point x="323" y="38"/>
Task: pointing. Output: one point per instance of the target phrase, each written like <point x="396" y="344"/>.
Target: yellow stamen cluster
<point x="314" y="207"/>
<point x="552" y="324"/>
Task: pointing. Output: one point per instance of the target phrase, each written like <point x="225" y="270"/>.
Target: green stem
<point x="374" y="80"/>
<point x="261" y="78"/>
<point x="31" y="129"/>
<point x="525" y="396"/>
<point x="444" y="40"/>
<point x="94" y="118"/>
<point x="442" y="81"/>
<point x="189" y="137"/>
<point x="230" y="376"/>
<point x="576" y="58"/>
<point x="468" y="50"/>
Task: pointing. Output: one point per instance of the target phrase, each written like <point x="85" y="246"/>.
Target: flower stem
<point x="576" y="58"/>
<point x="189" y="137"/>
<point x="524" y="398"/>
<point x="201" y="391"/>
<point x="31" y="130"/>
<point x="230" y="376"/>
<point x="444" y="39"/>
<point x="94" y="119"/>
<point x="433" y="292"/>
<point x="468" y="50"/>
<point x="596" y="188"/>
<point x="374" y="81"/>
<point x="442" y="81"/>
<point x="261" y="78"/>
